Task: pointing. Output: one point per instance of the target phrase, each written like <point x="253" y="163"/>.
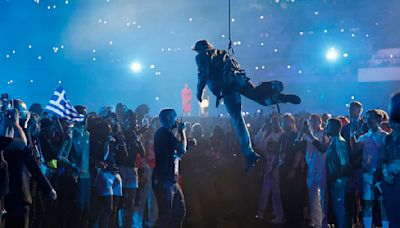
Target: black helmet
<point x="202" y="45"/>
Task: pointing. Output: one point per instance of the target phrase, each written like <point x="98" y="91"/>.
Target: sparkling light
<point x="136" y="67"/>
<point x="332" y="54"/>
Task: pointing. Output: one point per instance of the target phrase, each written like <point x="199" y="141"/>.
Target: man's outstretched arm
<point x="203" y="71"/>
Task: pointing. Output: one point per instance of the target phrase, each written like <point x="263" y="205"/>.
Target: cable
<point x="231" y="52"/>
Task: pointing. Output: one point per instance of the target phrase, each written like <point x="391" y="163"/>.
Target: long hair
<point x="291" y="120"/>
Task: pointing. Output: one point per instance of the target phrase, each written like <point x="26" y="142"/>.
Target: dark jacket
<point x="211" y="65"/>
<point x="337" y="158"/>
<point x="19" y="163"/>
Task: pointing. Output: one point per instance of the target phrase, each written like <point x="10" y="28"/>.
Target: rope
<point x="230" y="49"/>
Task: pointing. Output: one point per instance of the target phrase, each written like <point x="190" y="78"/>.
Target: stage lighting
<point x="136" y="67"/>
<point x="332" y="54"/>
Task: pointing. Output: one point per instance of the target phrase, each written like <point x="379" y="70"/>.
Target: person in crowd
<point x="108" y="180"/>
<point x="21" y="165"/>
<point x="371" y="145"/>
<point x="197" y="167"/>
<point x="147" y="197"/>
<point x="130" y="147"/>
<point x="225" y="79"/>
<point x="51" y="141"/>
<point x="325" y="117"/>
<point x="358" y="126"/>
<point x="268" y="144"/>
<point x="168" y="150"/>
<point x="390" y="159"/>
<point x="338" y="171"/>
<point x="291" y="172"/>
<point x="33" y="137"/>
<point x="10" y="142"/>
<point x="316" y="171"/>
<point x="186" y="95"/>
<point x="75" y="159"/>
<point x="394" y="108"/>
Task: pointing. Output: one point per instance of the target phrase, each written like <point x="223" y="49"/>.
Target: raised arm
<point x="203" y="67"/>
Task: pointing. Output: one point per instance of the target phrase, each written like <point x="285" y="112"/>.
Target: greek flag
<point x="60" y="106"/>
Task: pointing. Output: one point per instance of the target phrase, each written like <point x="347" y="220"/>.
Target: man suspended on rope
<point x="226" y="80"/>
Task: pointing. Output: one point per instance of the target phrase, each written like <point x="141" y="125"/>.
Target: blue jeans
<point x="233" y="104"/>
<point x="339" y="197"/>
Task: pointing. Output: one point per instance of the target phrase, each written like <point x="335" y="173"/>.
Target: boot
<point x="288" y="98"/>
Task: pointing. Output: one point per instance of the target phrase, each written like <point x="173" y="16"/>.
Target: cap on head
<point x="202" y="45"/>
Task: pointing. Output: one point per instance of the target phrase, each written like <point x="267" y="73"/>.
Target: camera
<point x="6" y="105"/>
<point x="6" y="108"/>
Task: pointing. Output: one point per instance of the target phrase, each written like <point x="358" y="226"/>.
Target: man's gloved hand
<point x="199" y="97"/>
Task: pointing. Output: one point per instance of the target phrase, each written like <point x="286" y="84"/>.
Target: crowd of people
<point x="315" y="170"/>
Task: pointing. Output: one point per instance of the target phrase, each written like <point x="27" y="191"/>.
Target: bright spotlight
<point x="136" y="67"/>
<point x="332" y="54"/>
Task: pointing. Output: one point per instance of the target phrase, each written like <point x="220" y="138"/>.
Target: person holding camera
<point x="8" y="142"/>
<point x="338" y="171"/>
<point x="316" y="171"/>
<point x="168" y="150"/>
<point x="20" y="160"/>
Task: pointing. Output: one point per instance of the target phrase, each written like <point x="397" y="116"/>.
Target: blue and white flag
<point x="60" y="106"/>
